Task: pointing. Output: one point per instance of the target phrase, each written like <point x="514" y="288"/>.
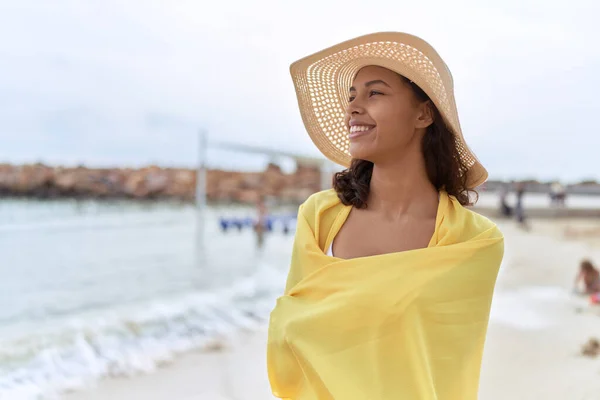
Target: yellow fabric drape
<point x="407" y="325"/>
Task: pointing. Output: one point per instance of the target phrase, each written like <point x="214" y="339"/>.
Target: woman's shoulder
<point x="318" y="202"/>
<point x="471" y="223"/>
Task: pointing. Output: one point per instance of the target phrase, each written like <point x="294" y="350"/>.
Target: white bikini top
<point x="330" y="250"/>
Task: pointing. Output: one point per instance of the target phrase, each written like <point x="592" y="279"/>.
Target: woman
<point x="391" y="280"/>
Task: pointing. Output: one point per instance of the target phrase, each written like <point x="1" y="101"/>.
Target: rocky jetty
<point x="154" y="182"/>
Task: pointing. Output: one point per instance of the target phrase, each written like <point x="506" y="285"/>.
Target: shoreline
<point x="227" y="373"/>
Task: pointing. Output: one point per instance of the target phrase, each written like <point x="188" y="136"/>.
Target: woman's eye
<point x="371" y="93"/>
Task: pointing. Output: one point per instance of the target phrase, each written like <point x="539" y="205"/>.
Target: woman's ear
<point x="425" y="115"/>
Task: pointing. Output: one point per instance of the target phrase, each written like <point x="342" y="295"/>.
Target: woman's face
<point x="384" y="118"/>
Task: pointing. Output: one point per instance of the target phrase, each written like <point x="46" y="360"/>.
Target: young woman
<point x="391" y="280"/>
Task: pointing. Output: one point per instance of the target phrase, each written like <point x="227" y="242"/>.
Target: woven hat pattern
<point x="322" y="82"/>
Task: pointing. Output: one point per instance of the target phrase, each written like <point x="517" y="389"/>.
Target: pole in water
<point x="326" y="171"/>
<point x="201" y="199"/>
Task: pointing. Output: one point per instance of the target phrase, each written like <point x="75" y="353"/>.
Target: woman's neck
<point x="401" y="188"/>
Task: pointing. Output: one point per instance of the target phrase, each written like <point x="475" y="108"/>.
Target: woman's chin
<point x="359" y="152"/>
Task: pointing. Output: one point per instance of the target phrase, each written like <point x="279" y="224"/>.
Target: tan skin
<point x="402" y="204"/>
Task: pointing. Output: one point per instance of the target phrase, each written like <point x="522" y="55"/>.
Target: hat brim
<point x="322" y="81"/>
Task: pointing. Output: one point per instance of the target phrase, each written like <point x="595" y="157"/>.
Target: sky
<point x="129" y="83"/>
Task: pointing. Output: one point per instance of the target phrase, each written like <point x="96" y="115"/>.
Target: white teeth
<point x="359" y="128"/>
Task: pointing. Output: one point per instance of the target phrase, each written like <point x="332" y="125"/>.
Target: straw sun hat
<point x="322" y="81"/>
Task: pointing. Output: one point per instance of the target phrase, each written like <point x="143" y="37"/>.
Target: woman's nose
<point x="354" y="108"/>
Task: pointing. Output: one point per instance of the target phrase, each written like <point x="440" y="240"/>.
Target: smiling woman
<point x="382" y="118"/>
<point x="390" y="286"/>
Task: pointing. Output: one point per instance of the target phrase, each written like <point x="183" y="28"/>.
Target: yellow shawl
<point x="407" y="325"/>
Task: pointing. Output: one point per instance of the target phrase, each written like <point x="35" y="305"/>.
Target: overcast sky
<point x="130" y="82"/>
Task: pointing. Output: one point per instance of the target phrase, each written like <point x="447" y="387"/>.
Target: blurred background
<point x="152" y="160"/>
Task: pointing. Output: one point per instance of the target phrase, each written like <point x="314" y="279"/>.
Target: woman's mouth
<point x="359" y="130"/>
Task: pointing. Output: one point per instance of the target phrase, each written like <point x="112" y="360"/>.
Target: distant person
<point x="519" y="209"/>
<point x="260" y="225"/>
<point x="590" y="276"/>
<point x="558" y="194"/>
<point x="391" y="278"/>
<point x="505" y="209"/>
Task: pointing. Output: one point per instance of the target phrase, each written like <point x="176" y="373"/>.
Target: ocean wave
<point x="138" y="340"/>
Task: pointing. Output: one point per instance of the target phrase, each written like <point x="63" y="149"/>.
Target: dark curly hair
<point x="445" y="168"/>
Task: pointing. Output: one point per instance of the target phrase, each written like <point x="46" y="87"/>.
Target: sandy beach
<point x="533" y="347"/>
<point x="236" y="372"/>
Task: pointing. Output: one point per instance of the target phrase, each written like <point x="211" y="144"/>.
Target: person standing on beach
<point x="558" y="194"/>
<point x="391" y="279"/>
<point x="519" y="210"/>
<point x="260" y="226"/>
<point x="505" y="209"/>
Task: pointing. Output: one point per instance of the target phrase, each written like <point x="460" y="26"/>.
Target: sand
<point x="532" y="352"/>
<point x="237" y="372"/>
